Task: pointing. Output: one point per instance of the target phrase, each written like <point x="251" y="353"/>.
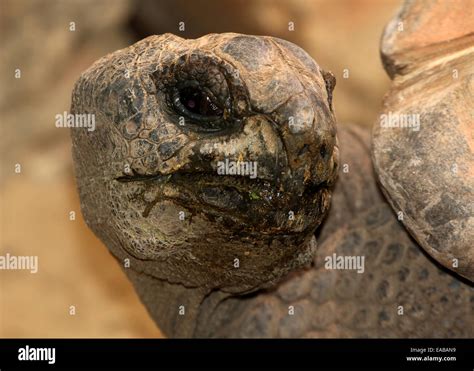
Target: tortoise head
<point x="212" y="159"/>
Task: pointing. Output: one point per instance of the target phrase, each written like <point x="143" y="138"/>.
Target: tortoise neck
<point x="173" y="307"/>
<point x="183" y="311"/>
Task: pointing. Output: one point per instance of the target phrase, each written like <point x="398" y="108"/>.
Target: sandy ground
<point x="74" y="268"/>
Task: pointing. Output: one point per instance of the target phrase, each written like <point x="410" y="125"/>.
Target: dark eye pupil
<point x="196" y="101"/>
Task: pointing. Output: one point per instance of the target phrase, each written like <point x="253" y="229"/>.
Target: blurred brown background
<point x="37" y="39"/>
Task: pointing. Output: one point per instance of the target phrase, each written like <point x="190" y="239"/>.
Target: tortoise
<point x="215" y="160"/>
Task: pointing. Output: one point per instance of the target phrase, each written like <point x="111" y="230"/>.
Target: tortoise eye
<point x="196" y="104"/>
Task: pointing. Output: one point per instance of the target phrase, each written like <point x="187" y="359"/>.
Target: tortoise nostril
<point x="323" y="151"/>
<point x="207" y="156"/>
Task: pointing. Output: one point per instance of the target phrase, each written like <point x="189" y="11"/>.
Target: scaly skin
<point x="343" y="303"/>
<point x="141" y="168"/>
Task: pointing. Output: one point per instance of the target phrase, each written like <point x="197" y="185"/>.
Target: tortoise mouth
<point x="210" y="187"/>
<point x="254" y="202"/>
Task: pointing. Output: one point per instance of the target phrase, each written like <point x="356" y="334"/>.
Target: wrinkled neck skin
<point x="183" y="312"/>
<point x="174" y="307"/>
